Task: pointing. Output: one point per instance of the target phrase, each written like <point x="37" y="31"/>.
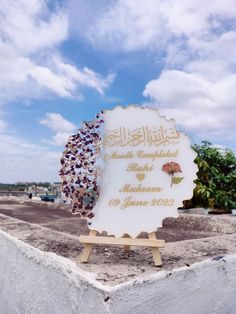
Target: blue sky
<point x="61" y="62"/>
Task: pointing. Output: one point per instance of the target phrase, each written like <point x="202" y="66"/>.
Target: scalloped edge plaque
<point x="148" y="171"/>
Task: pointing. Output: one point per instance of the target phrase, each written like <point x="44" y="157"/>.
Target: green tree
<point x="216" y="183"/>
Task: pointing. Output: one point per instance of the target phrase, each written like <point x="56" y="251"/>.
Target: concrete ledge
<point x="203" y="288"/>
<point x="32" y="281"/>
<point x="35" y="282"/>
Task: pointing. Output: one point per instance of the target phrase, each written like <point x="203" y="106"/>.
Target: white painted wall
<point x="208" y="287"/>
<point x="33" y="282"/>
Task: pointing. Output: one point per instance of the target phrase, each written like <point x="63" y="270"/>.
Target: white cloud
<point x="62" y="128"/>
<point x="59" y="84"/>
<point x="194" y="101"/>
<point x="65" y="79"/>
<point x="57" y="123"/>
<point x="168" y="87"/>
<point x="196" y="44"/>
<point x="85" y="77"/>
<point x="14" y="68"/>
<point x="3" y="125"/>
<point x="198" y="79"/>
<point x="24" y="161"/>
<point x="30" y="35"/>
<point x="190" y="17"/>
<point x="211" y="69"/>
<point x="60" y="138"/>
<point x="125" y="25"/>
<point x="131" y="25"/>
<point x="32" y="67"/>
<point x="32" y="20"/>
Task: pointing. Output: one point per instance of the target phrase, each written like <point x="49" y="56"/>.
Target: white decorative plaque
<point x="149" y="170"/>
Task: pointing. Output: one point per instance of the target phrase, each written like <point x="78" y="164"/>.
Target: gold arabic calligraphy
<point x="145" y="135"/>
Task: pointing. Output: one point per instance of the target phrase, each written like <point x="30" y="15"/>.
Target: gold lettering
<point x="127" y="188"/>
<point x="151" y="136"/>
<point x="136" y="168"/>
<point x="157" y="154"/>
<point x="162" y="202"/>
<point x="141" y="154"/>
<point x="117" y="155"/>
<point x="129" y="202"/>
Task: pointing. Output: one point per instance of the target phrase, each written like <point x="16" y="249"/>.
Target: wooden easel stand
<point x="92" y="239"/>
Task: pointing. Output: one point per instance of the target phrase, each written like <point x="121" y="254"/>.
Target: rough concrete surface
<point x="32" y="281"/>
<point x="113" y="281"/>
<point x="52" y="228"/>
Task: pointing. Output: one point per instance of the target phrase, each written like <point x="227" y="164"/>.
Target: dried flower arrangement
<point x="80" y="171"/>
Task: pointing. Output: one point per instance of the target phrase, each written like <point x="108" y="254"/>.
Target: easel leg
<point x="126" y="247"/>
<point x="87" y="249"/>
<point x="155" y="251"/>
